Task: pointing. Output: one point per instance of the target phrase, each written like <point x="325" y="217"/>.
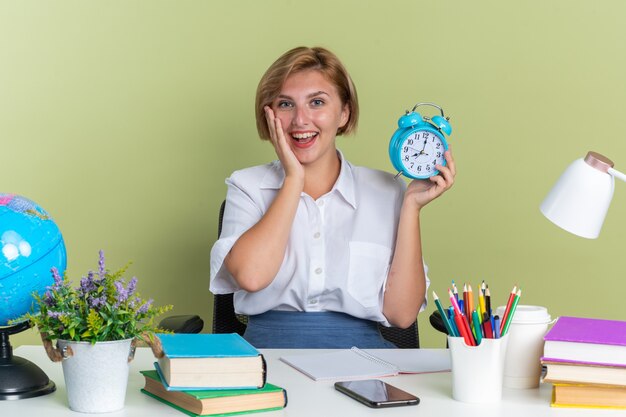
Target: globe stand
<point x="19" y="377"/>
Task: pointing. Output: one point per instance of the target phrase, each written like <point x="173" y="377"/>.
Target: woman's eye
<point x="317" y="102"/>
<point x="284" y="104"/>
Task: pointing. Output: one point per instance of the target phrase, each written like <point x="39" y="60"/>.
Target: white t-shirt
<point x="340" y="245"/>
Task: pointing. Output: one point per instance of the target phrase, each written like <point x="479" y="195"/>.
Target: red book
<point x="587" y="340"/>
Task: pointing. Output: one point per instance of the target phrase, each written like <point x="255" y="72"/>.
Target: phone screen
<point x="376" y="393"/>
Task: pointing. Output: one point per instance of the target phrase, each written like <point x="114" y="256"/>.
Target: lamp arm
<point x="617" y="174"/>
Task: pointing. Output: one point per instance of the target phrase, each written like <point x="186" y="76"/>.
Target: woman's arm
<point x="406" y="281"/>
<point x="254" y="260"/>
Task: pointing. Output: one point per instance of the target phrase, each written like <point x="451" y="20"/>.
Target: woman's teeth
<point x="304" y="137"/>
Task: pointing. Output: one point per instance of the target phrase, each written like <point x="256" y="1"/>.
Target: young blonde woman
<point x="316" y="250"/>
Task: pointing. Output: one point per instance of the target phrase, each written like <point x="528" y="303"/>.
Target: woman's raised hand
<point x="293" y="167"/>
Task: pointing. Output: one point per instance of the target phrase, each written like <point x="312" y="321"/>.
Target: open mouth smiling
<point x="304" y="138"/>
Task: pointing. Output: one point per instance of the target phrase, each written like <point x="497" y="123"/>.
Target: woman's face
<point x="310" y="111"/>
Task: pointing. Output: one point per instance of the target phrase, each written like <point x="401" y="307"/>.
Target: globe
<point x="30" y="245"/>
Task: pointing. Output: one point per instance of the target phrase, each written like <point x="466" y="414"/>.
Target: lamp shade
<point x="580" y="199"/>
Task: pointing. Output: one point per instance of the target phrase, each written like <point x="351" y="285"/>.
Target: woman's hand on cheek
<point x="422" y="192"/>
<point x="293" y="167"/>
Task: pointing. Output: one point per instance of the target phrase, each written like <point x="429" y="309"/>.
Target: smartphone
<point x="375" y="393"/>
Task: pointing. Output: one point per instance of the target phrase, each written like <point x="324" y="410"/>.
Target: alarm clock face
<point x="420" y="151"/>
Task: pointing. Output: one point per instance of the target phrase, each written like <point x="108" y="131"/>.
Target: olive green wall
<point x="123" y="118"/>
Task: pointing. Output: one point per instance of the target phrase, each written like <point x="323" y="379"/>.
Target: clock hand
<point x="417" y="153"/>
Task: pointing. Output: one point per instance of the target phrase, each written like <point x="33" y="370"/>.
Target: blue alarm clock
<point x="419" y="143"/>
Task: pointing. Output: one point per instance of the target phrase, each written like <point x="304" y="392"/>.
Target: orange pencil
<point x="507" y="310"/>
<point x="470" y="300"/>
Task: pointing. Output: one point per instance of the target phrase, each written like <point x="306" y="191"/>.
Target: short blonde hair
<point x="302" y="59"/>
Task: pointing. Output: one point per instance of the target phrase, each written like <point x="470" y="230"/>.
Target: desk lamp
<point x="579" y="200"/>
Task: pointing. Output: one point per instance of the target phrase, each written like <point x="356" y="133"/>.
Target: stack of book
<point x="210" y="374"/>
<point x="585" y="360"/>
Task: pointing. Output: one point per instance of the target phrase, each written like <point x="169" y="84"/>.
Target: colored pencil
<point x="465" y="301"/>
<point x="468" y="331"/>
<point x="487" y="329"/>
<point x="454" y="302"/>
<point x="455" y="291"/>
<point x="444" y="317"/>
<point x="470" y="301"/>
<point x="509" y="319"/>
<point x="476" y="320"/>
<point x="461" y="324"/>
<point x="481" y="304"/>
<point x="508" y="308"/>
<point x="450" y="311"/>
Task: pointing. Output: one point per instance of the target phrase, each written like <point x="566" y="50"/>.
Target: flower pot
<point x="96" y="375"/>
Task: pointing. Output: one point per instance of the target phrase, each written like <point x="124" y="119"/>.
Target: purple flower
<point x="145" y="307"/>
<point x="132" y="286"/>
<point x="58" y="280"/>
<point x="121" y="292"/>
<point x="55" y="314"/>
<point x="95" y="302"/>
<point x="48" y="298"/>
<point x="102" y="271"/>
<point x="87" y="284"/>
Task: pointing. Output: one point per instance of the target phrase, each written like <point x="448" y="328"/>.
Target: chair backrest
<point x="226" y="321"/>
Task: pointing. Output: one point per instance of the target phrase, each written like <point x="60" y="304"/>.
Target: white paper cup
<point x="477" y="370"/>
<point x="523" y="356"/>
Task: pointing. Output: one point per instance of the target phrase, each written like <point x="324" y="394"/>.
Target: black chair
<point x="182" y="324"/>
<point x="226" y="321"/>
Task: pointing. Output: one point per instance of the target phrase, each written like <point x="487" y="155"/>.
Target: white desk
<point x="306" y="397"/>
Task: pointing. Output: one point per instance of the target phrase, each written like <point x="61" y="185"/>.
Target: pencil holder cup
<point x="477" y="371"/>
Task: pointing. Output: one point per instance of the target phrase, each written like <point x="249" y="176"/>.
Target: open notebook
<point x="358" y="363"/>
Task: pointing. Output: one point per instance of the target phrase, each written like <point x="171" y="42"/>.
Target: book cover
<point x="214" y="345"/>
<point x="596" y="341"/>
<point x="216" y="402"/>
<point x="588" y="396"/>
<point x="588" y="330"/>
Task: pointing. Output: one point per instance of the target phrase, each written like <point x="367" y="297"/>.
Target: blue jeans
<point x="315" y="330"/>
